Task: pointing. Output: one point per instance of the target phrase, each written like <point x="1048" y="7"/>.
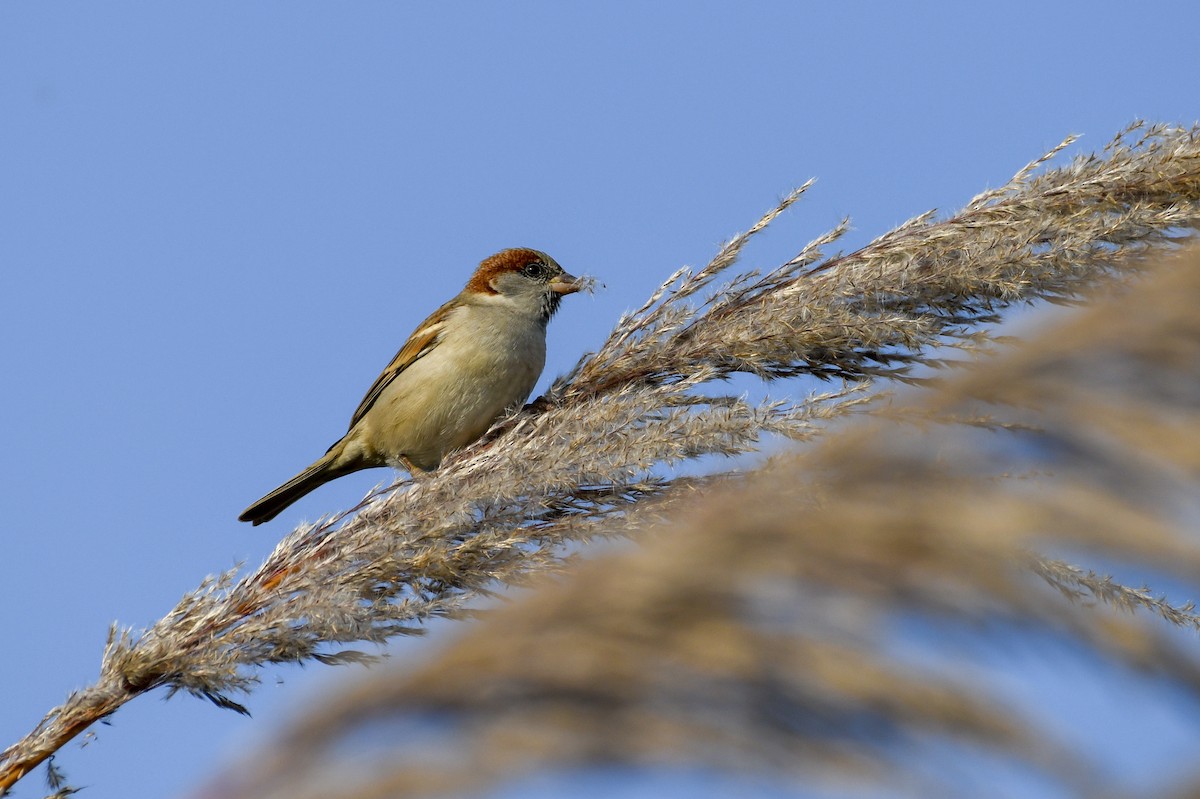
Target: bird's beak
<point x="565" y="284"/>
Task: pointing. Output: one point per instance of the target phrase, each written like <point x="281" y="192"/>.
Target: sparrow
<point x="477" y="356"/>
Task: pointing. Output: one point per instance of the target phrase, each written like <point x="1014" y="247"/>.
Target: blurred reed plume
<point x="757" y="630"/>
<point x="587" y="459"/>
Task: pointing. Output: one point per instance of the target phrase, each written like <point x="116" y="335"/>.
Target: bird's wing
<point x="419" y="344"/>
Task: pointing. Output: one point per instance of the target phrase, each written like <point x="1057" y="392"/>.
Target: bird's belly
<point x="442" y="404"/>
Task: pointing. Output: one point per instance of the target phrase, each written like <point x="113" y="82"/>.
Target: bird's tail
<point x="326" y="468"/>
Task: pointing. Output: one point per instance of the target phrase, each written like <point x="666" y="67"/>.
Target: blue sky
<point x="218" y="221"/>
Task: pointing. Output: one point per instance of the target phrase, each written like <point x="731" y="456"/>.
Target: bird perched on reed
<point x="476" y="356"/>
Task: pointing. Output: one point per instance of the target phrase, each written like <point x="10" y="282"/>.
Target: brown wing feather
<point x="419" y="344"/>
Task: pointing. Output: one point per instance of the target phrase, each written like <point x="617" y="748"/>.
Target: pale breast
<point x="487" y="361"/>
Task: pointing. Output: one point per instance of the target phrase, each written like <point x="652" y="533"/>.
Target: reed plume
<point x="758" y="629"/>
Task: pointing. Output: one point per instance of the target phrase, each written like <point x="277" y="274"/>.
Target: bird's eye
<point x="535" y="270"/>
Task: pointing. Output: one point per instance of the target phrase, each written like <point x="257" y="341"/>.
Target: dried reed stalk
<point x="586" y="452"/>
<point x="758" y="631"/>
